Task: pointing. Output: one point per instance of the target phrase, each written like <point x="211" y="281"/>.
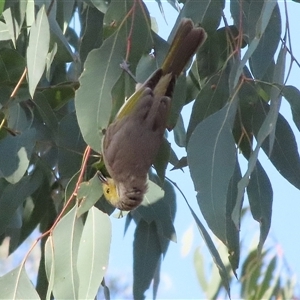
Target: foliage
<point x="264" y="276"/>
<point x="59" y="89"/>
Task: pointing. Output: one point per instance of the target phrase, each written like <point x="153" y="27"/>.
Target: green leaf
<point x="251" y="270"/>
<point x="179" y="132"/>
<point x="102" y="70"/>
<point x="37" y="49"/>
<point x="232" y="233"/>
<point x="17" y="285"/>
<point x="15" y="155"/>
<point x="207" y="13"/>
<point x="254" y="18"/>
<point x="12" y="24"/>
<point x="275" y="93"/>
<point x="146" y="256"/>
<point x="102" y="5"/>
<point x="211" y="157"/>
<point x="34" y="210"/>
<point x="292" y="95"/>
<point x="208" y="56"/>
<point x="267" y="279"/>
<point x="92" y="101"/>
<point x="49" y="265"/>
<point x="162" y="159"/>
<point x="46" y="112"/>
<point x="153" y="195"/>
<point x="88" y="194"/>
<point x="20" y="118"/>
<point x="70" y="146"/>
<point x="93" y="253"/>
<point x="12" y="65"/>
<point x="2" y="3"/>
<point x="213" y="251"/>
<point x="260" y="197"/>
<point x="93" y="31"/>
<point x="123" y="89"/>
<point x="58" y="96"/>
<point x="265" y="51"/>
<point x="64" y="51"/>
<point x="13" y="195"/>
<point x="64" y="246"/>
<point x="211" y="98"/>
<point x="284" y="156"/>
<point x="200" y="269"/>
<point x="4" y="33"/>
<point x="178" y="101"/>
<point x="162" y="213"/>
<point x="263" y="125"/>
<point x="49" y="60"/>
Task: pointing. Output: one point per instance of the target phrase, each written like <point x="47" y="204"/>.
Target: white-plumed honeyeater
<point x="131" y="142"/>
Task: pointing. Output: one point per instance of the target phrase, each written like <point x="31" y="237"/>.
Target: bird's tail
<point x="188" y="38"/>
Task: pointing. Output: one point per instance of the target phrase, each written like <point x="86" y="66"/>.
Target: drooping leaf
<point x="211" y="98"/>
<point x="4" y="33"/>
<point x="178" y="101"/>
<point x="17" y="285"/>
<point x="58" y="96"/>
<point x="93" y="116"/>
<point x="232" y="233"/>
<point x="102" y="5"/>
<point x="49" y="61"/>
<point x="260" y="197"/>
<point x="12" y="65"/>
<point x="46" y="112"/>
<point x="102" y="70"/>
<point x="20" y="118"/>
<point x="265" y="51"/>
<point x="275" y="93"/>
<point x="12" y="22"/>
<point x="92" y="37"/>
<point x="254" y="20"/>
<point x="37" y="49"/>
<point x="211" y="157"/>
<point x="207" y="13"/>
<point x="263" y="126"/>
<point x="292" y="95"/>
<point x="267" y="279"/>
<point x="15" y="155"/>
<point x="146" y="254"/>
<point x="213" y="251"/>
<point x="88" y="194"/>
<point x="13" y="196"/>
<point x="179" y="132"/>
<point x="64" y="51"/>
<point x="49" y="265"/>
<point x="34" y="211"/>
<point x="71" y="146"/>
<point x="64" y="246"/>
<point x="93" y="253"/>
<point x="162" y="159"/>
<point x="162" y="212"/>
<point x="284" y="155"/>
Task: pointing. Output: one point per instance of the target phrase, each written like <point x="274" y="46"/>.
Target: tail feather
<point x="184" y="45"/>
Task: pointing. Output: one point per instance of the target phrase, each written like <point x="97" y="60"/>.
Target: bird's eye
<point x="107" y="191"/>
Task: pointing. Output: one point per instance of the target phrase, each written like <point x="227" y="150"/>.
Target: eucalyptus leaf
<point x="93" y="253"/>
<point x="211" y="157"/>
<point x="37" y="49"/>
<point x="17" y="285"/>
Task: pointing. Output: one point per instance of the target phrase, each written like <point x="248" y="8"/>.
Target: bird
<point x="131" y="142"/>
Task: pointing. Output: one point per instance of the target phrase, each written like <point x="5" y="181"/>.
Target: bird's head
<point x="110" y="190"/>
<point x="120" y="196"/>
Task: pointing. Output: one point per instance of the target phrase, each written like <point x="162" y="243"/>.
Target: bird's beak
<point x="102" y="178"/>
